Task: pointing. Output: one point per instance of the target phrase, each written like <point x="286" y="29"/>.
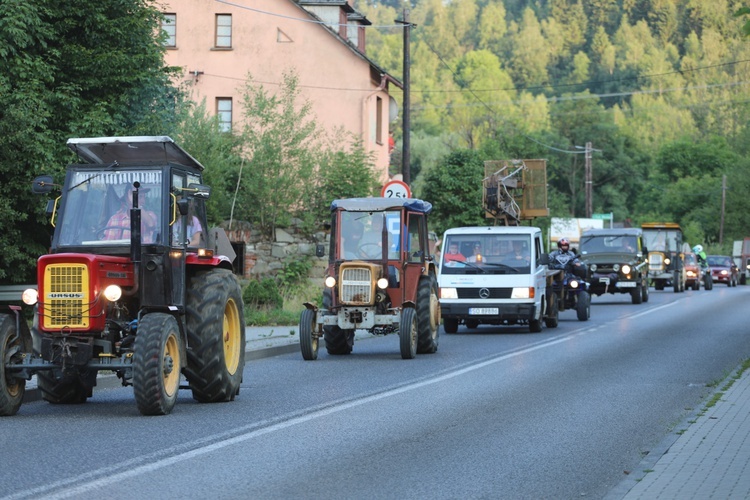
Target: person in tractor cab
<point x="352" y="235"/>
<point x="118" y="226"/>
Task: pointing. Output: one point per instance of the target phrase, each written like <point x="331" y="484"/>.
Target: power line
<point x="311" y="21"/>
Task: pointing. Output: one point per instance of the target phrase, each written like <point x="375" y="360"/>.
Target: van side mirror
<point x="544" y="259"/>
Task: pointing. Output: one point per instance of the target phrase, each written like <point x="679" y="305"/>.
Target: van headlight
<point x="448" y="293"/>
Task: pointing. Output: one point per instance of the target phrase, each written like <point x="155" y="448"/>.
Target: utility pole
<point x="589" y="181"/>
<point x="406" y="125"/>
<point x="723" y="202"/>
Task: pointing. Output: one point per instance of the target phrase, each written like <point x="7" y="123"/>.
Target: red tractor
<point x="134" y="284"/>
<point x="381" y="277"/>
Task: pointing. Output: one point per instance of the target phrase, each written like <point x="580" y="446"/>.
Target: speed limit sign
<point x="395" y="189"/>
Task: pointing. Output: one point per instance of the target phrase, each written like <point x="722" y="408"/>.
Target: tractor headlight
<point x="625" y="269"/>
<point x="574" y="284"/>
<point x="667" y="261"/>
<point x="113" y="293"/>
<point x="330" y="282"/>
<point x="382" y="283"/>
<point x="30" y="296"/>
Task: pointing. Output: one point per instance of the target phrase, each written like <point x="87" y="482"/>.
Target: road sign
<point x="395" y="189"/>
<point x="602" y="216"/>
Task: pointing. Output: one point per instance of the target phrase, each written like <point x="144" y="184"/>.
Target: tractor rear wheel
<point x="13" y="345"/>
<point x="157" y="357"/>
<point x="428" y="315"/>
<point x="68" y="389"/>
<point x="216" y="336"/>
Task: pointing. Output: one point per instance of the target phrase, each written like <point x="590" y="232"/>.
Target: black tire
<point x="676" y="283"/>
<point x="659" y="285"/>
<point x="644" y="292"/>
<point x="583" y="306"/>
<point x="743" y="279"/>
<point x="450" y="325"/>
<point x="472" y="323"/>
<point x="428" y="315"/>
<point x="68" y="389"/>
<point x="696" y="285"/>
<point x="307" y="341"/>
<point x="338" y="342"/>
<point x="635" y="295"/>
<point x="709" y="284"/>
<point x="157" y="356"/>
<point x="408" y="333"/>
<point x="552" y="318"/>
<point x="13" y="345"/>
<point x="216" y="336"/>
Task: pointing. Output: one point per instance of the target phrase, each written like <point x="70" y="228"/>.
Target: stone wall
<point x="264" y="258"/>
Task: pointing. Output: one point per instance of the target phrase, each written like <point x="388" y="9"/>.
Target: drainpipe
<point x="381" y="87"/>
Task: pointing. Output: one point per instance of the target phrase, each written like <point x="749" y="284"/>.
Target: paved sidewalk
<point x="710" y="459"/>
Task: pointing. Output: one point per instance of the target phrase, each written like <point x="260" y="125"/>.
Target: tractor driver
<point x="118" y="226"/>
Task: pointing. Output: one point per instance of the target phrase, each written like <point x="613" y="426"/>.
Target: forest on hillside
<point x="658" y="87"/>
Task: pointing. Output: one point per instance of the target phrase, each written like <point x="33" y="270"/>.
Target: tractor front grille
<point x="656" y="261"/>
<point x="356" y="286"/>
<point x="65" y="301"/>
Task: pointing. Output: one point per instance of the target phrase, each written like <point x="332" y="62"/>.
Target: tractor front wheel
<point x="308" y="341"/>
<point x="407" y="333"/>
<point x="13" y="344"/>
<point x="157" y="355"/>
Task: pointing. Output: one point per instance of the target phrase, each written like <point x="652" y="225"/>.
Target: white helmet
<point x="698" y="248"/>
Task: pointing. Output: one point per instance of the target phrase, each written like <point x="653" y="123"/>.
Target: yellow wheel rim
<point x="232" y="337"/>
<point x="171" y="365"/>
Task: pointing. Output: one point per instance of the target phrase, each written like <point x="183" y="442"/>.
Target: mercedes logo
<point x="484" y="293"/>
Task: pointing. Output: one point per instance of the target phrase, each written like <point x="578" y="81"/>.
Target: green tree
<point x="454" y="187"/>
<point x="70" y="69"/>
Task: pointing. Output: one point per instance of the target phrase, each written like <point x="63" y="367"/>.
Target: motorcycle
<point x="570" y="285"/>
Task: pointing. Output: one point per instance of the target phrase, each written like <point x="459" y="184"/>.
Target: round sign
<point x="395" y="189"/>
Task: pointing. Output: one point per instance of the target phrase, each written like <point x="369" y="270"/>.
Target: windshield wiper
<point x="88" y="179"/>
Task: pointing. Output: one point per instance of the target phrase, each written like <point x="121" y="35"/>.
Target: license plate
<point x="627" y="284"/>
<point x="484" y="311"/>
<point x="604" y="280"/>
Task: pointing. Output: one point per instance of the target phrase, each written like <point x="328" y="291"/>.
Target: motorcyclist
<point x="563" y="258"/>
<point x="699" y="253"/>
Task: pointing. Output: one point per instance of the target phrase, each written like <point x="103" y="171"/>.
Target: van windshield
<point x="487" y="254"/>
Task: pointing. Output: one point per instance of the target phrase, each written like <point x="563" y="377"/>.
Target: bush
<point x="262" y="294"/>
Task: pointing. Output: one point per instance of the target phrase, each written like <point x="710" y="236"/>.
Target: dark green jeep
<point x="617" y="262"/>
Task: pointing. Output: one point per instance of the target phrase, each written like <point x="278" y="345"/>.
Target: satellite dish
<point x="392" y="109"/>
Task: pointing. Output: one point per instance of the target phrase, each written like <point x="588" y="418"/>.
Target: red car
<point x="724" y="270"/>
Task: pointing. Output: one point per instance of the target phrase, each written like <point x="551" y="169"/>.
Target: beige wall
<point x="331" y="75"/>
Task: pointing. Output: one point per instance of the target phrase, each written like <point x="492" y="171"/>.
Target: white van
<point x="495" y="275"/>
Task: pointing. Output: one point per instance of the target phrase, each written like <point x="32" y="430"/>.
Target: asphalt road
<point x="496" y="412"/>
